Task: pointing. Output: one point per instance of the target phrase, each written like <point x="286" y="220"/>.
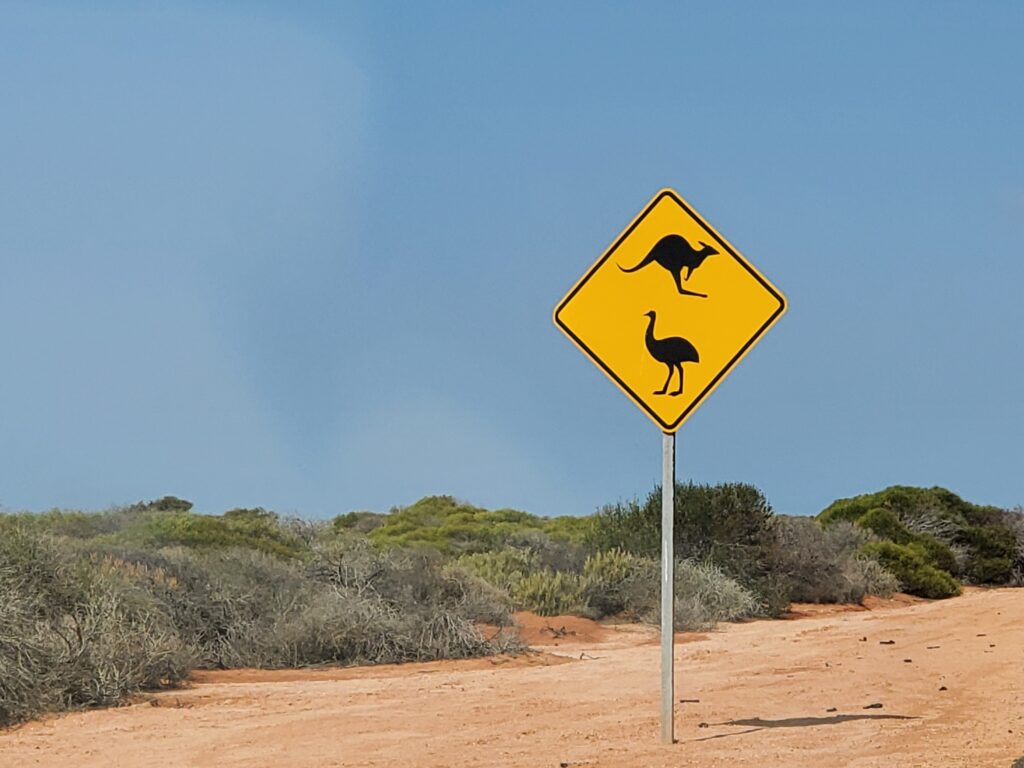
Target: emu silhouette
<point x="672" y="351"/>
<point x="674" y="253"/>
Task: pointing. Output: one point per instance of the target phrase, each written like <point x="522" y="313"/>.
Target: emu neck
<point x="650" y="331"/>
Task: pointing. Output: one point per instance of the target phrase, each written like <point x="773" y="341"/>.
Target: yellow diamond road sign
<point x="669" y="309"/>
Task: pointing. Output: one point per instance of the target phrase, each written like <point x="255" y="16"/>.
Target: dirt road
<point x="928" y="684"/>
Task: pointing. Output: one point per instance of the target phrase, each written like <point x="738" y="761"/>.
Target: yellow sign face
<point x="669" y="309"/>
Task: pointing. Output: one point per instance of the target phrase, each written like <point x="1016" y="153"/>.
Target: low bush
<point x="435" y="604"/>
<point x="87" y="623"/>
<point x="503" y="569"/>
<point x="814" y="564"/>
<point x="169" y="522"/>
<point x="870" y="576"/>
<point x="994" y="549"/>
<point x="358" y="522"/>
<point x="616" y="582"/>
<point x="552" y="593"/>
<point x="76" y="632"/>
<point x="569" y="528"/>
<point x="450" y="526"/>
<point x="609" y="579"/>
<point x="975" y="542"/>
<point x="1013" y="519"/>
<point x="704" y="595"/>
<point x="555" y="554"/>
<point x="884" y="524"/>
<point x="729" y="519"/>
<point x="729" y="524"/>
<point x="940" y="555"/>
<point x="991" y="570"/>
<point x="254" y="529"/>
<point x="909" y="563"/>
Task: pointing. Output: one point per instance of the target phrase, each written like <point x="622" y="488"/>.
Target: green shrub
<point x="569" y="528"/>
<point x="451" y="527"/>
<point x="908" y="562"/>
<point x="167" y="504"/>
<point x="552" y="593"/>
<point x="1013" y="520"/>
<point x="958" y="537"/>
<point x="907" y="502"/>
<point x="728" y="524"/>
<point x="608" y="576"/>
<point x="503" y="569"/>
<point x="885" y="525"/>
<point x="937" y="553"/>
<point x="991" y="570"/>
<point x="611" y="566"/>
<point x="358" y="522"/>
<point x="168" y="523"/>
<point x="991" y="541"/>
<point x="250" y="529"/>
<point x="729" y="519"/>
<point x="846" y="510"/>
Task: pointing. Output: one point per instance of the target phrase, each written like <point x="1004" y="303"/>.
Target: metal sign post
<point x="668" y="493"/>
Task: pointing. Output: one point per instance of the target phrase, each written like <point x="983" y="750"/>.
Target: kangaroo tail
<point x="642" y="264"/>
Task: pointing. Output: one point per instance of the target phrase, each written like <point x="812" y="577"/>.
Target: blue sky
<point x="304" y="255"/>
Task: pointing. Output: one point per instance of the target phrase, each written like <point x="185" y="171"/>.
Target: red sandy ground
<point x="766" y="693"/>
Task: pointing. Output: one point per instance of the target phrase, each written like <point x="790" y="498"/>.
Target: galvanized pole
<point x="668" y="488"/>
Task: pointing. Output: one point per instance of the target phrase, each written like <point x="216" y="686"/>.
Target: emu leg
<point x="664" y="389"/>
<point x="680" y="390"/>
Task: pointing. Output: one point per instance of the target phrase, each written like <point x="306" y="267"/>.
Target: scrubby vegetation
<point x="827" y="564"/>
<point x="90" y="615"/>
<point x="933" y="540"/>
<point x="95" y="607"/>
<point x="732" y="526"/>
<point x="453" y="527"/>
<point x="77" y="630"/>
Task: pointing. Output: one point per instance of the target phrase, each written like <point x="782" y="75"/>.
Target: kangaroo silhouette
<point x="674" y="253"/>
<point x="672" y="351"/>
